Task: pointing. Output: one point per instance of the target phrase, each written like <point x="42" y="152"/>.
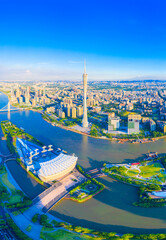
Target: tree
<point x="43" y="219"/>
<point x="35" y="218"/>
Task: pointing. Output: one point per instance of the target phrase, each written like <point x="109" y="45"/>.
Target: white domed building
<point x="47" y="164"/>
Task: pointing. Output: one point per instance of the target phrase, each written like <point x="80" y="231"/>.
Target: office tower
<point x="85" y="118"/>
<point x="133" y="123"/>
<point x="113" y="122"/>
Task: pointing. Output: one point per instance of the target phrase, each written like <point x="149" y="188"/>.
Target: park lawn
<point x="64" y="235"/>
<point x="47" y="229"/>
<point x="7" y="183"/>
<point x="14" y="198"/>
<point x="132" y="172"/>
<point x="151" y="170"/>
<point x="162" y="177"/>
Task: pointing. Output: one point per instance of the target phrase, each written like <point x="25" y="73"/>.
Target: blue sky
<point x="48" y="40"/>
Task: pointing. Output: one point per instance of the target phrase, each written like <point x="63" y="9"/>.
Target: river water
<point x="110" y="210"/>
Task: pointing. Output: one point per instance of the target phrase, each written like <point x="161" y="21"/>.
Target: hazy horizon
<point x="50" y="40"/>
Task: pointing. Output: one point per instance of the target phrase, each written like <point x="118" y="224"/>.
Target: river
<point x="110" y="210"/>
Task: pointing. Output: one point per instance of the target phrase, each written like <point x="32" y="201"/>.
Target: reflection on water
<point x="30" y="187"/>
<point x="27" y="113"/>
<point x="112" y="210"/>
<point x="84" y="143"/>
<point x="8" y="115"/>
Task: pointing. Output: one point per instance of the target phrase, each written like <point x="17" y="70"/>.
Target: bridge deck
<point x="51" y="196"/>
<point x="54" y="195"/>
<point x="47" y="191"/>
<point x="54" y="201"/>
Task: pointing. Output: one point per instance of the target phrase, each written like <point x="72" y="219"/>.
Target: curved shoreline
<point x="85" y="134"/>
<point x="12" y="180"/>
<point x="97" y="226"/>
<point x="102" y="138"/>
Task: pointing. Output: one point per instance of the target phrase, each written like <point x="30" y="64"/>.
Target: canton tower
<point x="85" y="118"/>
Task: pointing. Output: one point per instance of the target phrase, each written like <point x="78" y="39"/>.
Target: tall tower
<point x="85" y="118"/>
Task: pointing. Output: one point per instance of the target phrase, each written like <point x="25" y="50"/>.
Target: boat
<point x="64" y="151"/>
<point x="152" y="154"/>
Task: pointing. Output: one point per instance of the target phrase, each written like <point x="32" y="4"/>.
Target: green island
<point x="52" y="229"/>
<point x="86" y="190"/>
<point x="11" y="132"/>
<point x="81" y="193"/>
<point x="149" y="176"/>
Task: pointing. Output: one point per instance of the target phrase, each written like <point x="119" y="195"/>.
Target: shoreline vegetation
<point x="50" y="228"/>
<point x="85" y="191"/>
<point x="154" y="177"/>
<point x="54" y="228"/>
<point x="57" y="123"/>
<point x="11" y="132"/>
<point x="11" y="136"/>
<point x="117" y="140"/>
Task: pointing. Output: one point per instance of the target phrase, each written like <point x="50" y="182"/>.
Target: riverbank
<point x="11" y="132"/>
<point x="114" y="139"/>
<point x="112" y="209"/>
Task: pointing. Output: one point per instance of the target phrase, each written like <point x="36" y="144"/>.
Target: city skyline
<point x="123" y="40"/>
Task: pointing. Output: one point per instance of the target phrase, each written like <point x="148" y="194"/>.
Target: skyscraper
<point x="85" y="118"/>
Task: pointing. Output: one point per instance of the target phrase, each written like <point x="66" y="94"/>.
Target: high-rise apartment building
<point x="73" y="112"/>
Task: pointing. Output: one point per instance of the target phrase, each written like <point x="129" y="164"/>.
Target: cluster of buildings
<point x="72" y="108"/>
<point x="132" y="123"/>
<point x="143" y="100"/>
<point x="24" y="96"/>
<point x="67" y="109"/>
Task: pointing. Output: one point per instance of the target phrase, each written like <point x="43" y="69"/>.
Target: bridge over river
<point x="52" y="195"/>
